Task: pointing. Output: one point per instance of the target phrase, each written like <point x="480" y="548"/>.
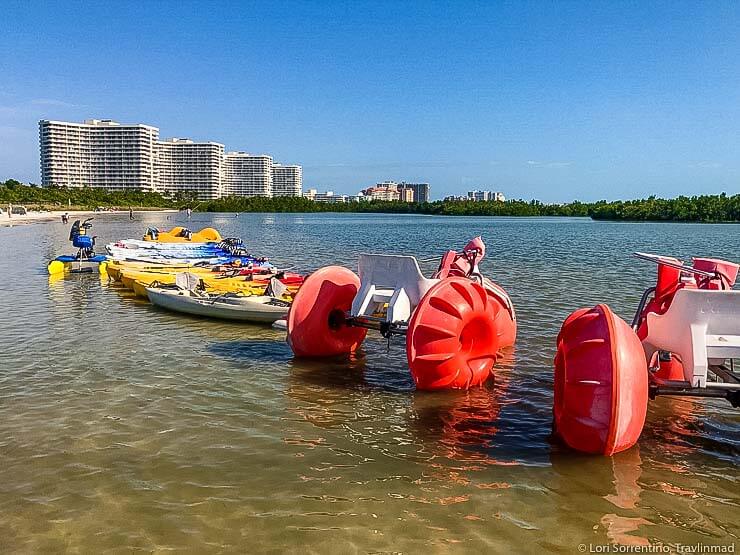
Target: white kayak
<point x="229" y="306"/>
<point x="153" y="246"/>
<point x="180" y="256"/>
<point x="172" y="260"/>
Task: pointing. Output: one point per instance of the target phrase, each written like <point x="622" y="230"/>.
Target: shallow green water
<point x="126" y="428"/>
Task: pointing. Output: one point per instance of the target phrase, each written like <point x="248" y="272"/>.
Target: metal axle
<point x="386" y="329"/>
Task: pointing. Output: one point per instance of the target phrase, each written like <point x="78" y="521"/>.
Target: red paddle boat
<point x="455" y="322"/>
<point x="682" y="341"/>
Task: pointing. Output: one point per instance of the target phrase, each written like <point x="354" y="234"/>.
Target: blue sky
<point x="548" y="100"/>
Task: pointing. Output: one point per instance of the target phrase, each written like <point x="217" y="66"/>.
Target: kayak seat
<point x="187" y="281"/>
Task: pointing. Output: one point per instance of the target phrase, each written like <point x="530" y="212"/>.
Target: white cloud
<point x="53" y="102"/>
<point x="705" y="165"/>
<point x="537" y="164"/>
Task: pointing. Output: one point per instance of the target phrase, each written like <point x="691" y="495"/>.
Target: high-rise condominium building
<point x="387" y="190"/>
<point x="420" y="191"/>
<point x="287" y="181"/>
<point x="405" y="192"/>
<point x="114" y="156"/>
<point x="247" y="175"/>
<point x="184" y="166"/>
<point x="98" y="153"/>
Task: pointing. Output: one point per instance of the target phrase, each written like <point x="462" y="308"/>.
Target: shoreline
<point x="56" y="216"/>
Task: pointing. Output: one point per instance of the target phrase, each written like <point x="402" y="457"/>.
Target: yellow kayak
<point x="138" y="281"/>
<point x="115" y="267"/>
<point x="182" y="235"/>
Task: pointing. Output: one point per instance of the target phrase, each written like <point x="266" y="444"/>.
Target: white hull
<point x="244" y="309"/>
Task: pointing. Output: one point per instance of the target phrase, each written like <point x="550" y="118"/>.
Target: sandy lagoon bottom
<point x="123" y="427"/>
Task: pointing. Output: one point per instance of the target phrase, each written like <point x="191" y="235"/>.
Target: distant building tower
<point x="481" y="196"/>
<point x="247" y="175"/>
<point x="405" y="195"/>
<point x="287" y="181"/>
<point x="387" y="190"/>
<point x="98" y="153"/>
<point x="328" y="196"/>
<point x="183" y="166"/>
<point x="420" y="191"/>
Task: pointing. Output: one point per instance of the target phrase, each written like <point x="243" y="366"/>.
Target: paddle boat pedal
<point x="85" y="244"/>
<point x="454" y="323"/>
<point x="682" y="341"/>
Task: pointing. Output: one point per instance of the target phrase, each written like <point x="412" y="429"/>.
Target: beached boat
<point x="228" y="306"/>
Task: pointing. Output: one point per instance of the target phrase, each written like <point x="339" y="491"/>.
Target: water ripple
<point x="128" y="428"/>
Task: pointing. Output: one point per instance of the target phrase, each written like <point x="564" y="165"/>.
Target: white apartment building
<point x="247" y="175"/>
<point x="480" y="196"/>
<point x="287" y="181"/>
<point x="114" y="156"/>
<point x="98" y="153"/>
<point x="328" y="196"/>
<point x="184" y="166"/>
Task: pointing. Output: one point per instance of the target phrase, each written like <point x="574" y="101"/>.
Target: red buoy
<point x="316" y="321"/>
<point x="452" y="338"/>
<point x="601" y="382"/>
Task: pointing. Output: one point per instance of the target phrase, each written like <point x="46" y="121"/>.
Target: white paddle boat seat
<point x="702" y="327"/>
<point x="389" y="279"/>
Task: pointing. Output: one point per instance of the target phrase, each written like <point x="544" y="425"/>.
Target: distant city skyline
<point x="562" y="101"/>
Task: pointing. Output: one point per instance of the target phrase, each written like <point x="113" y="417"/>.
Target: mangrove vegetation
<point x="703" y="208"/>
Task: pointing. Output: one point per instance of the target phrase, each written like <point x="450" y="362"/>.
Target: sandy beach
<point x="32" y="217"/>
<point x="56" y="216"/>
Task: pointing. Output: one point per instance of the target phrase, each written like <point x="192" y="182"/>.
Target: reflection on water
<point x="126" y="427"/>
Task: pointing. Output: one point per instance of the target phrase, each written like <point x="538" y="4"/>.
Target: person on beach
<point x="10" y="210"/>
<point x="65" y="218"/>
<point x="130" y="213"/>
<point x="189" y="211"/>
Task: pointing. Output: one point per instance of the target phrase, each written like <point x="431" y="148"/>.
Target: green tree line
<point x="704" y="208"/>
<point x="86" y="198"/>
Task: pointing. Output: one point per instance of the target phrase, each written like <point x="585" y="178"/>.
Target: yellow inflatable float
<point x="182" y="235"/>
